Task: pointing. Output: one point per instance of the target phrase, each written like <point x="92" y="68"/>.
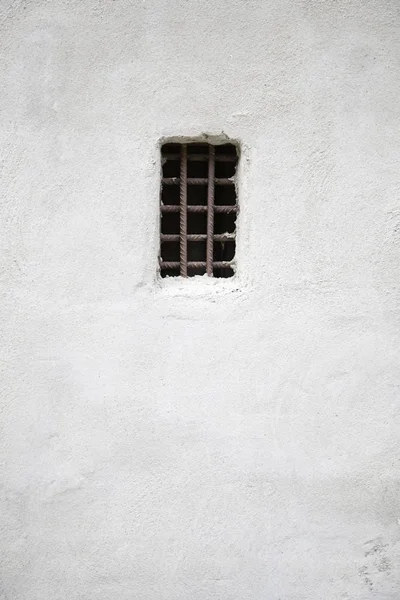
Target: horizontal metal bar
<point x="196" y="265"/>
<point x="198" y="237"/>
<point x="198" y="208"/>
<point x="202" y="157"/>
<point x="197" y="181"/>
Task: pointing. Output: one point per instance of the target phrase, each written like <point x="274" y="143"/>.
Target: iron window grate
<point x="198" y="209"/>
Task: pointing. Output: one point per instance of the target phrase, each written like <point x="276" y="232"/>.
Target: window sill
<point x="199" y="286"/>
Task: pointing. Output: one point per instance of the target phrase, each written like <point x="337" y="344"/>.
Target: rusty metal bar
<point x="198" y="237"/>
<point x="202" y="157"/>
<point x="197" y="181"/>
<point x="183" y="212"/>
<point x="196" y="264"/>
<point x="210" y="210"/>
<point x="199" y="208"/>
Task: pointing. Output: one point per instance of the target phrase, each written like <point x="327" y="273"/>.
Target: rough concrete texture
<point x="233" y="440"/>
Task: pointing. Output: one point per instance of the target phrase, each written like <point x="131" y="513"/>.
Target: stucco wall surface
<point x="224" y="440"/>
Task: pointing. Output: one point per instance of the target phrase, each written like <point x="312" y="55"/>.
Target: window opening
<point x="198" y="209"/>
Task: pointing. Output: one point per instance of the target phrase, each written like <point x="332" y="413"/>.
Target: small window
<point x="198" y="209"/>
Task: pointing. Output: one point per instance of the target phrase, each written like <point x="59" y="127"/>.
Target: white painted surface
<point x="235" y="441"/>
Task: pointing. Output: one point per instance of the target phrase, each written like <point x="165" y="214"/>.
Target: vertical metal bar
<point x="210" y="210"/>
<point x="183" y="211"/>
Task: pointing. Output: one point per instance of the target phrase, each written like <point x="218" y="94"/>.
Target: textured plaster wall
<point x="232" y="440"/>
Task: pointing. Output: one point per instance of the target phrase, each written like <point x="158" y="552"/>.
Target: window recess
<point x="198" y="210"/>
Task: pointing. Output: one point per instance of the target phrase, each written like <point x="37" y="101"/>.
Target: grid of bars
<point x="198" y="209"/>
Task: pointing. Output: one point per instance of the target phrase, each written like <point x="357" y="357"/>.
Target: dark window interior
<point x="203" y="194"/>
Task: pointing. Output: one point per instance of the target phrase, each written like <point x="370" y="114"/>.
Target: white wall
<point x="233" y="440"/>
